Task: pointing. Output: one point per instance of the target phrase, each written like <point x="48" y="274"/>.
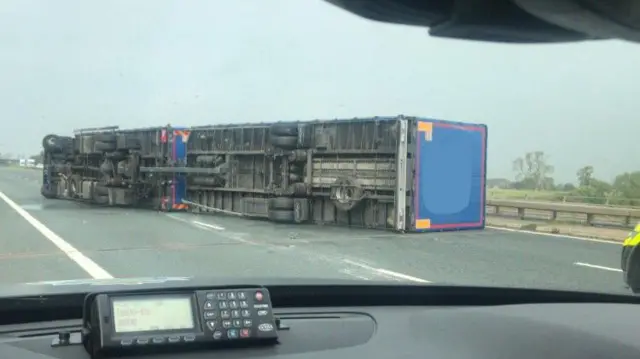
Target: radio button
<point x="126" y="342"/>
<point x="189" y="338"/>
<point x="232" y="333"/>
<point x="209" y="314"/>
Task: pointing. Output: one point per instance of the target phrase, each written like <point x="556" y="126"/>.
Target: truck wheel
<point x="100" y="146"/>
<point x="279" y="203"/>
<point x="48" y="194"/>
<point x="286" y="142"/>
<point x="284" y="130"/>
<point x="102" y="137"/>
<point x="115" y="156"/>
<point x="281" y="216"/>
<point x="101" y="200"/>
<point x="50" y="143"/>
<point x="100" y="190"/>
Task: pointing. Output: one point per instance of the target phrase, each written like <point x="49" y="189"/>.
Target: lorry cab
<point x="630" y="260"/>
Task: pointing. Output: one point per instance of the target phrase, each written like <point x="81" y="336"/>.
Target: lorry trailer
<point x="404" y="174"/>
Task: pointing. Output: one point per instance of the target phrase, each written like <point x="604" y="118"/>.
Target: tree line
<point x="533" y="171"/>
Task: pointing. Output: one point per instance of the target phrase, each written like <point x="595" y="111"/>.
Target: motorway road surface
<point x="54" y="240"/>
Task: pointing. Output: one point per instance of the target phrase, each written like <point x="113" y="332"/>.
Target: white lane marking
<point x="557" y="235"/>
<point x="386" y="272"/>
<point x="355" y="275"/>
<point x="213" y="228"/>
<point x="208" y="225"/>
<point x="597" y="267"/>
<point x="197" y="223"/>
<point x="89" y="266"/>
<point x="373" y="270"/>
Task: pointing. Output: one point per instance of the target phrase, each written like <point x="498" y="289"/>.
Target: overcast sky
<point x="76" y="63"/>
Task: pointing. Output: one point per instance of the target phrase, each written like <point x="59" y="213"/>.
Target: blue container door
<point x="450" y="175"/>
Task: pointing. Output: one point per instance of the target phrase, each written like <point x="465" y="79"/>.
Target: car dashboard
<point x="396" y="321"/>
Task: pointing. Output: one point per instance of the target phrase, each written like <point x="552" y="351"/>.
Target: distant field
<point x="526" y="194"/>
<point x="559" y="196"/>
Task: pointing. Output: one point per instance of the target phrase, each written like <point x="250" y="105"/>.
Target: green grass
<point x="526" y="194"/>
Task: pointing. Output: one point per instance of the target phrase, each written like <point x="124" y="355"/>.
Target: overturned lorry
<point x="404" y="174"/>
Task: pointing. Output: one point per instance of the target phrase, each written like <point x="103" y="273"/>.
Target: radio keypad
<point x="232" y="313"/>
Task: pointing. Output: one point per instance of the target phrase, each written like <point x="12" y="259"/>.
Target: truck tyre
<point x="101" y="190"/>
<point x="281" y="203"/>
<point x="48" y="194"/>
<point x="284" y="130"/>
<point x="115" y="156"/>
<point x="101" y="200"/>
<point x="102" y="137"/>
<point x="281" y="216"/>
<point x="100" y="146"/>
<point x="286" y="142"/>
<point x="51" y="143"/>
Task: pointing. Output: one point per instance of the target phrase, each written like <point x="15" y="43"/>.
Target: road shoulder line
<point x="564" y="236"/>
<point x="88" y="265"/>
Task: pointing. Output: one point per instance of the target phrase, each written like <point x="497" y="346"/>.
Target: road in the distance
<point x="65" y="240"/>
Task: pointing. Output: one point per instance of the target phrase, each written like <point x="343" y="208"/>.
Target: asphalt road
<point x="53" y="240"/>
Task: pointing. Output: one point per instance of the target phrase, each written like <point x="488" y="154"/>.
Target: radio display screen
<point x="152" y="313"/>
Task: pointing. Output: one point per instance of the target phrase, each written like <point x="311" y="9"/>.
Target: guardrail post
<point x="618" y="216"/>
<point x="590" y="219"/>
